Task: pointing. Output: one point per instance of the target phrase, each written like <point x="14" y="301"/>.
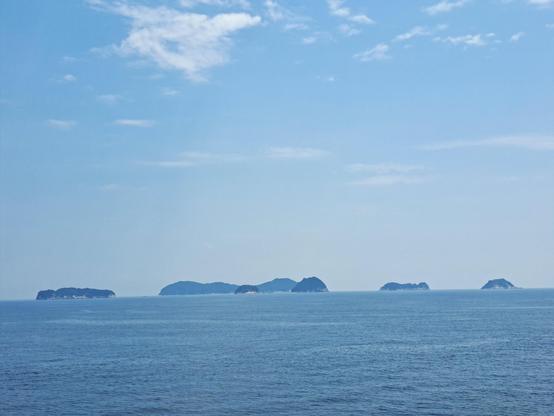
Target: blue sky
<point x="148" y="142"/>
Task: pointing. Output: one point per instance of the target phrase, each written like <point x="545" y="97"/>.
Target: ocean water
<point x="411" y="353"/>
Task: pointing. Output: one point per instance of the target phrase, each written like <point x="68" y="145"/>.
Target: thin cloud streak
<point x="383" y="168"/>
<point x="389" y="180"/>
<point x="296" y="153"/>
<point x="61" y="124"/>
<point x="544" y="143"/>
<point x="134" y="122"/>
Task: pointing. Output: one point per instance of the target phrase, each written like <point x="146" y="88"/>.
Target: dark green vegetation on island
<point x="74" y="293"/>
<point x="195" y="288"/>
<point x="498" y="284"/>
<point x="277" y="285"/>
<point x="244" y="289"/>
<point x="405" y="286"/>
<point x="310" y="284"/>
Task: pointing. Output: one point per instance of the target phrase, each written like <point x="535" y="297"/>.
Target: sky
<point x="145" y="142"/>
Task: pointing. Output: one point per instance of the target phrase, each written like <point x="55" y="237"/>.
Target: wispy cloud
<point x="296" y="153"/>
<point x="192" y="159"/>
<point x="109" y="99"/>
<point x="177" y="40"/>
<point x="516" y="37"/>
<point x="170" y="92"/>
<point x="61" y="124"/>
<point x="387" y="174"/>
<point x="383" y="168"/>
<point x="309" y="40"/>
<point x="349" y="30"/>
<point x="378" y="53"/>
<point x="131" y="122"/>
<point x="389" y="180"/>
<point x="68" y="78"/>
<point x="467" y="40"/>
<point x="530" y="142"/>
<point x="415" y="32"/>
<point x="444" y="6"/>
<point x="337" y="8"/>
<point x="541" y="3"/>
<point x="218" y="3"/>
<point x="274" y="11"/>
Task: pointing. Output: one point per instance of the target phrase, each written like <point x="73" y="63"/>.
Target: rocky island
<point x="195" y="288"/>
<point x="246" y="289"/>
<point x="74" y="293"/>
<point x="310" y="284"/>
<point x="277" y="285"/>
<point x="498" y="284"/>
<point x="405" y="286"/>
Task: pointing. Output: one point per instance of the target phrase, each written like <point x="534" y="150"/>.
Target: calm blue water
<point x="425" y="353"/>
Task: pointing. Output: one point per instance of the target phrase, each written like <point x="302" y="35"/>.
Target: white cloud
<point x="274" y="10"/>
<point x="466" y="40"/>
<point x="109" y="99"/>
<point x="296" y="153"/>
<point x="348" y="30"/>
<point x="218" y="3"/>
<point x="529" y="142"/>
<point x="337" y="8"/>
<point x="309" y="40"/>
<point x="134" y="122"/>
<point x="192" y="159"/>
<point x="389" y="180"/>
<point x="541" y="3"/>
<point x="549" y="26"/>
<point x="378" y="53"/>
<point x="176" y="40"/>
<point x="444" y="6"/>
<point x="69" y="59"/>
<point x="69" y="78"/>
<point x="516" y="36"/>
<point x="416" y="31"/>
<point x="169" y="92"/>
<point x="295" y="26"/>
<point x="61" y="124"/>
<point x="383" y="168"/>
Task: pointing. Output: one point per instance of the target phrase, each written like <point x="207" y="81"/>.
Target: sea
<point x="477" y="353"/>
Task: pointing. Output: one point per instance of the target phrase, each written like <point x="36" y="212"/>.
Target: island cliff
<point x="310" y="284"/>
<point x="498" y="284"/>
<point x="405" y="286"/>
<point x="74" y="293"/>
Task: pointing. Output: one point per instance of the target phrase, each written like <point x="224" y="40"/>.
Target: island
<point x="74" y="293"/>
<point x="310" y="284"/>
<point x="277" y="285"/>
<point x="246" y="290"/>
<point x="405" y="286"/>
<point x="195" y="288"/>
<point x="188" y="287"/>
<point x="498" y="284"/>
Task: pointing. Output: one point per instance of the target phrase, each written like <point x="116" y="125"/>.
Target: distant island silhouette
<point x="74" y="293"/>
<point x="499" y="284"/>
<point x="246" y="289"/>
<point x="309" y="284"/>
<point x="405" y="286"/>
